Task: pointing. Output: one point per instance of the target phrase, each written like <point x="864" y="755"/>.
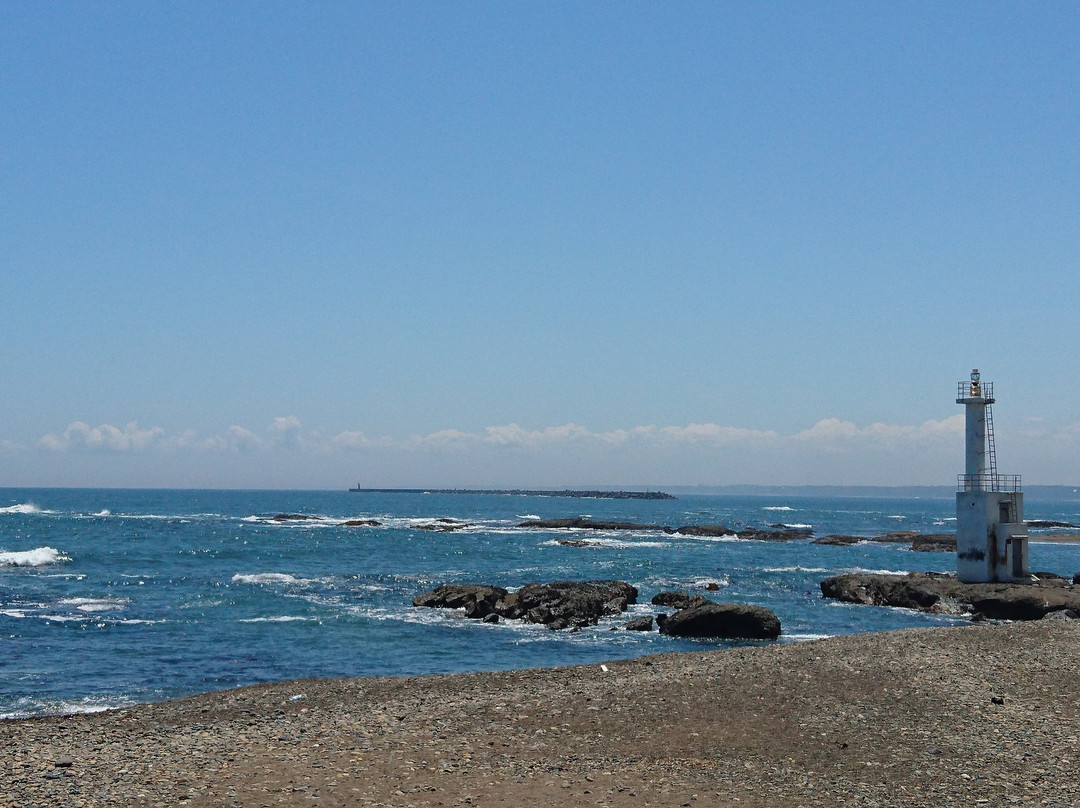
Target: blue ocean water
<point x="113" y="597"/>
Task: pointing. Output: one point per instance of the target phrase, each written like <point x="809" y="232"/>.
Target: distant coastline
<point x="521" y="492"/>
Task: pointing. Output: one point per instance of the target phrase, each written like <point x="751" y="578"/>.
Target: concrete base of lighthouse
<point x="991" y="537"/>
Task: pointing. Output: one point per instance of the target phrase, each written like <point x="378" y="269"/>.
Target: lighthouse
<point x="991" y="539"/>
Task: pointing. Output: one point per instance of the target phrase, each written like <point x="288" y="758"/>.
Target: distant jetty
<point x="520" y="492"/>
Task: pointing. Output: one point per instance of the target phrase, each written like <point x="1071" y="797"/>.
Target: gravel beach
<point x="985" y="715"/>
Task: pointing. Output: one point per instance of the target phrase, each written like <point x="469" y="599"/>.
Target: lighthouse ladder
<point x="992" y="453"/>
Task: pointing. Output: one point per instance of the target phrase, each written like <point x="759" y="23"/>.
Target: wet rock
<point x="934" y="543"/>
<point x="709" y="531"/>
<point x="838" y="540"/>
<point x="940" y="593"/>
<point x="678" y="600"/>
<point x="728" y="620"/>
<point x="362" y="523"/>
<point x="782" y="534"/>
<point x="640" y="624"/>
<point x="460" y="596"/>
<point x="560" y="604"/>
<point x="586" y="524"/>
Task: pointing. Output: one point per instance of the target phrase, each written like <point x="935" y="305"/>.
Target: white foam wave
<point x="37" y="557"/>
<point x="796" y="526"/>
<point x="91" y="605"/>
<point x="805" y="637"/>
<point x="899" y="517"/>
<point x="777" y="508"/>
<point x="104" y="512"/>
<point x="795" y="569"/>
<point x="23" y="508"/>
<point x="16" y="613"/>
<point x="531" y="516"/>
<point x="864" y="571"/>
<point x="280" y="578"/>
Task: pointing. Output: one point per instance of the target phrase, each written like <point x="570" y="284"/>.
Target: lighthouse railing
<point x="969" y="389"/>
<point x="1006" y="483"/>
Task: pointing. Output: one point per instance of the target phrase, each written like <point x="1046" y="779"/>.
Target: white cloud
<point x="81" y="435"/>
<point x="284" y="424"/>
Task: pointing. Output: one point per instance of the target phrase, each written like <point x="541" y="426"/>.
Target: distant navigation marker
<point x="991" y="537"/>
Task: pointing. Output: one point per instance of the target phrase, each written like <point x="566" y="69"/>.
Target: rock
<point x="934" y="543"/>
<point x="561" y="604"/>
<point x="839" y="540"/>
<point x="640" y="624"/>
<point x="584" y="523"/>
<point x="1045" y="523"/>
<point x="1060" y="614"/>
<point x="678" y="600"/>
<point x="460" y="596"/>
<point x="783" y="534"/>
<point x="1076" y="578"/>
<point x="575" y="602"/>
<point x="574" y="543"/>
<point x="729" y="620"/>
<point x="896" y="537"/>
<point x="292" y="517"/>
<point x="491" y="618"/>
<point x="712" y="531"/>
<point x="943" y="594"/>
<point x="362" y="523"/>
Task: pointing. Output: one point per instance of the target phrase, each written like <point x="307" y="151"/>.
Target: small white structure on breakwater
<point x="991" y="538"/>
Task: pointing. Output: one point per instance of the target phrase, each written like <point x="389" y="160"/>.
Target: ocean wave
<point x="23" y="508"/>
<point x="280" y="578"/>
<point x="797" y="526"/>
<point x="91" y="605"/>
<point x="777" y="508"/>
<point x="27" y="707"/>
<point x="795" y="569"/>
<point x="37" y="557"/>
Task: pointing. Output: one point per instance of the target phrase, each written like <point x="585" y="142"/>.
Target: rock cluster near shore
<point x="577" y="604"/>
<point x="557" y="605"/>
<point x="943" y="594"/>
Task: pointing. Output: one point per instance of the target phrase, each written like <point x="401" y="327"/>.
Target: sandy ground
<point x="986" y="715"/>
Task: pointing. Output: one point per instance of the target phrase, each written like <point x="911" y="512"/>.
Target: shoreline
<point x="939" y="716"/>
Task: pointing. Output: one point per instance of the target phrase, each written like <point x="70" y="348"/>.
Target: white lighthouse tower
<point x="991" y="539"/>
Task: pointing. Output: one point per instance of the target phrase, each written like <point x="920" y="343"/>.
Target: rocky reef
<point x="939" y="593"/>
<point x="557" y="605"/>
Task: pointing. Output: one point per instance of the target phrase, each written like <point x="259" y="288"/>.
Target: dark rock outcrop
<point x="709" y="531"/>
<point x="361" y="523"/>
<point x="934" y="543"/>
<point x="560" y="604"/>
<point x="678" y="600"/>
<point x="943" y="594"/>
<point x="582" y="522"/>
<point x="729" y="620"/>
<point x="640" y="624"/>
<point x="838" y="540"/>
<point x="779" y="534"/>
<point x="460" y="596"/>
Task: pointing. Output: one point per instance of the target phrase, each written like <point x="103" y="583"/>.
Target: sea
<point x="115" y="597"/>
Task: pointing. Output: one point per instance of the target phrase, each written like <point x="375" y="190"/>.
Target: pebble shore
<point x="985" y="715"/>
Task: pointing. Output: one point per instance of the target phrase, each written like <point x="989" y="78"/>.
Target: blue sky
<point x="310" y="244"/>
